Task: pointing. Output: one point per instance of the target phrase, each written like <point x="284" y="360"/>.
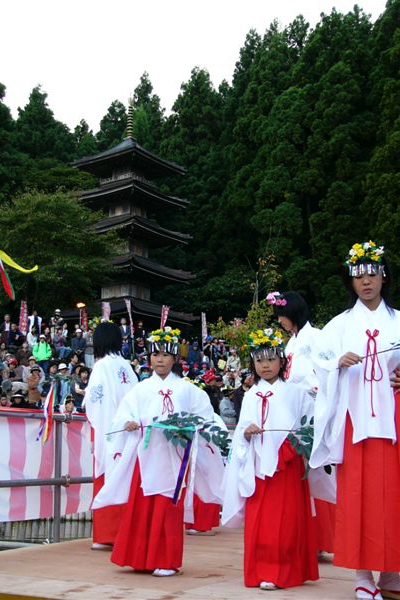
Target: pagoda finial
<point x="129" y="123"/>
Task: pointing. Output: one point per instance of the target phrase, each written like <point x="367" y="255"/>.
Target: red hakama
<point x="368" y="502"/>
<point x="279" y="537"/>
<point x="206" y="515"/>
<point x="151" y="531"/>
<point x="325" y="525"/>
<point x="105" y="520"/>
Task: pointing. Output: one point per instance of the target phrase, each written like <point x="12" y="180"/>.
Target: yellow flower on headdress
<point x="156" y="338"/>
<point x="167" y="338"/>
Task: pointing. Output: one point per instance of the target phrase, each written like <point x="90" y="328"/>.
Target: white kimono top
<point x="111" y="379"/>
<point x="298" y="352"/>
<point x="364" y="389"/>
<point x="301" y="371"/>
<point x="283" y="409"/>
<point x="160" y="462"/>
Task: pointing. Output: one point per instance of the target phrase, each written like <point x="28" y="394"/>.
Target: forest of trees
<point x="287" y="166"/>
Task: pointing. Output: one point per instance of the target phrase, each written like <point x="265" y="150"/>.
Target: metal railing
<point x="58" y="480"/>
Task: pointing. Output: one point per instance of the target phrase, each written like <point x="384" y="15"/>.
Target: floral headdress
<point x="276" y="298"/>
<point x="365" y="258"/>
<point x="266" y="343"/>
<point x="164" y="340"/>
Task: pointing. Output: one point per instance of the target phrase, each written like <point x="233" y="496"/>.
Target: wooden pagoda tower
<point x="131" y="203"/>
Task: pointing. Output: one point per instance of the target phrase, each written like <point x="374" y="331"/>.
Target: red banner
<point x="23" y="318"/>
<point x="164" y="315"/>
<point x="84" y="319"/>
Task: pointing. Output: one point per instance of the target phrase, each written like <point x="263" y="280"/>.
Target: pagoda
<point x="131" y="203"/>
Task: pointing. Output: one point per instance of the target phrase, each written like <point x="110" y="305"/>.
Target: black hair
<point x="107" y="339"/>
<point x="386" y="283"/>
<point x="84" y="370"/>
<point x="281" y="370"/>
<point x="296" y="309"/>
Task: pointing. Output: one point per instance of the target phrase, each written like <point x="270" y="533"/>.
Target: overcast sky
<point x="87" y="53"/>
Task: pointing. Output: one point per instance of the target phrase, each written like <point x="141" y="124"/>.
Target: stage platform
<point x="212" y="569"/>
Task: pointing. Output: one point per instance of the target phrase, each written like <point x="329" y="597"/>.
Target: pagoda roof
<point x="146" y="308"/>
<point x="128" y="152"/>
<point x="143" y="226"/>
<point x="142" y="308"/>
<point x="127" y="187"/>
<point x="140" y="263"/>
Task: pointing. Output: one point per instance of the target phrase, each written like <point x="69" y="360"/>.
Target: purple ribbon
<point x="182" y="473"/>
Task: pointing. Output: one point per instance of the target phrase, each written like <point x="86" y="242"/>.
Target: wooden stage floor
<point x="212" y="569"/>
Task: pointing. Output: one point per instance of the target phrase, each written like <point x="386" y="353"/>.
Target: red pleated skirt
<point x="325" y="525"/>
<point x="206" y="515"/>
<point x="151" y="531"/>
<point x="367" y="531"/>
<point x="279" y="536"/>
<point x="105" y="520"/>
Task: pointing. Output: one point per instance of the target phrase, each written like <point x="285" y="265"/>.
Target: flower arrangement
<point x="166" y="339"/>
<point x="366" y="252"/>
<point x="93" y="323"/>
<point x="164" y="335"/>
<point x="267" y="340"/>
<point x="276" y="298"/>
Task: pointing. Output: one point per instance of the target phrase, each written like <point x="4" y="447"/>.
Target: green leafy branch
<point x="186" y="424"/>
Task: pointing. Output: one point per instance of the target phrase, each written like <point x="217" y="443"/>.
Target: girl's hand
<point x="395" y="378"/>
<point x="349" y="360"/>
<point x="132" y="426"/>
<point x="252" y="429"/>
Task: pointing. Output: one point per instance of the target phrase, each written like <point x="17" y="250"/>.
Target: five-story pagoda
<point x="130" y="201"/>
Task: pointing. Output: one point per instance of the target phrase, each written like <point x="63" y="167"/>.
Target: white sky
<point x="87" y="53"/>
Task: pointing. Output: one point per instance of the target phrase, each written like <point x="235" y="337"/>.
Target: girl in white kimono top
<point x="357" y="425"/>
<point x="264" y="479"/>
<point x="146" y="469"/>
<point x="293" y="314"/>
<point x="111" y="379"/>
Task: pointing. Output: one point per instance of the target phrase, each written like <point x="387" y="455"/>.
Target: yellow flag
<point x="9" y="261"/>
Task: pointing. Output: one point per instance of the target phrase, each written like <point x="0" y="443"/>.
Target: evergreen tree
<point x="38" y="134"/>
<point x="148" y="115"/>
<point x="85" y="141"/>
<point x="112" y="127"/>
<point x="381" y="206"/>
<point x="12" y="162"/>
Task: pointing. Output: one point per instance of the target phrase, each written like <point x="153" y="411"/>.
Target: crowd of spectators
<point x="55" y="352"/>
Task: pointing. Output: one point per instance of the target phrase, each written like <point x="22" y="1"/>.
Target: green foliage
<point x="294" y="161"/>
<point x="302" y="440"/>
<point x="85" y="141"/>
<point x="181" y="427"/>
<point x="236" y="334"/>
<point x="148" y="116"/>
<point x="54" y="232"/>
<point x="39" y="134"/>
<point x="112" y="126"/>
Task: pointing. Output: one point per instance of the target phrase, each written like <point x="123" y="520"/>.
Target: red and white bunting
<point x="29" y="459"/>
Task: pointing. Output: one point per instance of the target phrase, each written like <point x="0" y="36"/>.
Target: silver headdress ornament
<point x="365" y="258"/>
<point x="164" y="340"/>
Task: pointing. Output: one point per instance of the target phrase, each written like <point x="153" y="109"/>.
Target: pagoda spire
<point x="129" y="122"/>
